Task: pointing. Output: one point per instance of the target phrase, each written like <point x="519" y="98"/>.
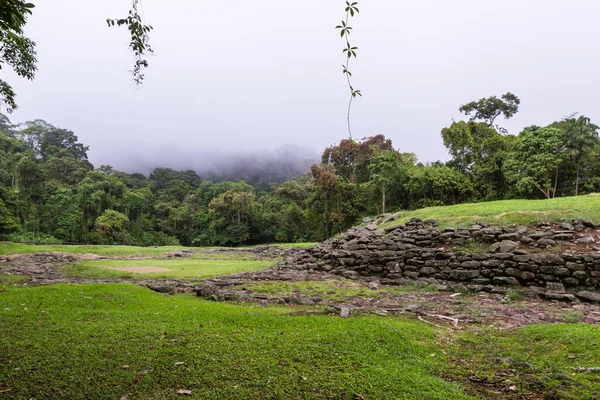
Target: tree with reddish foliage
<point x="351" y="159"/>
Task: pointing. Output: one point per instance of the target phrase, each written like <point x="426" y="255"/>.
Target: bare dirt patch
<point x="140" y="269"/>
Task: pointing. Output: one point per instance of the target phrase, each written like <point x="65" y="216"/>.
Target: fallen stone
<point x="161" y="288"/>
<point x="586" y="240"/>
<point x="374" y="285"/>
<point x="505" y="246"/>
<point x="592" y="297"/>
<point x="588" y="223"/>
<point x="208" y="291"/>
<point x="345" y="312"/>
<point x="560" y="296"/>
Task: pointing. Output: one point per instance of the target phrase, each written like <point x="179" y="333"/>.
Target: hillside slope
<point x="506" y="212"/>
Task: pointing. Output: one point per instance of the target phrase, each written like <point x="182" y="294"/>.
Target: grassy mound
<point x="508" y="212"/>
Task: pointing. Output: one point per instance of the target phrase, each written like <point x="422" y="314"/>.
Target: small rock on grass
<point x="345" y="312"/>
<point x="374" y="285"/>
<point x="184" y="392"/>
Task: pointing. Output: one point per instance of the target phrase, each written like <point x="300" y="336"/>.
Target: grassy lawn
<point x="286" y="245"/>
<point x="110" y="341"/>
<point x="336" y="291"/>
<point x="12" y="279"/>
<point x="110" y="251"/>
<point x="507" y="212"/>
<point x="537" y="361"/>
<point x="197" y="267"/>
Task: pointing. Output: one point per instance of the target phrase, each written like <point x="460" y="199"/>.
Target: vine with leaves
<point x="350" y="51"/>
<point x="139" y="42"/>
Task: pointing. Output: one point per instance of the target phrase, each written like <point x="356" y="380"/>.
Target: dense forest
<point x="49" y="191"/>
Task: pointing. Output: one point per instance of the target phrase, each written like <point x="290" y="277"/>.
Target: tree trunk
<point x="383" y="199"/>
<point x="555" y="183"/>
<point x="577" y="180"/>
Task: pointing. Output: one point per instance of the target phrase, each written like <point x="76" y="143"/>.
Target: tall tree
<point x="535" y="160"/>
<point x="384" y="167"/>
<point x="16" y="50"/>
<point x="489" y="108"/>
<point x="581" y="137"/>
<point x="351" y="158"/>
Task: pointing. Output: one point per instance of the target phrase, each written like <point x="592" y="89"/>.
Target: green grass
<point x="537" y="361"/>
<point x="13" y="279"/>
<point x="199" y="266"/>
<point x="508" y="212"/>
<point x="332" y="290"/>
<point x="75" y="341"/>
<point x="515" y="294"/>
<point x="108" y="251"/>
<point x="287" y="245"/>
<point x="112" y="251"/>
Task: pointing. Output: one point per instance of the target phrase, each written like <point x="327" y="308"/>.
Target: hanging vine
<point x="349" y="51"/>
<point x="139" y="42"/>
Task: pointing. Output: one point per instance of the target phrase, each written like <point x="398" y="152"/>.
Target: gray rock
<point x="160" y="288"/>
<point x="505" y="281"/>
<point x="526" y="240"/>
<point x="545" y="242"/>
<point x="560" y="296"/>
<point x="462" y="275"/>
<point x="592" y="297"/>
<point x="505" y="246"/>
<point x="547" y="259"/>
<point x="345" y="312"/>
<point x="508" y="236"/>
<point x="374" y="285"/>
<point x="457" y="287"/>
<point x="563" y="236"/>
<point x="588" y="223"/>
<point x="586" y="240"/>
<point x="555" y="287"/>
<point x="566" y="226"/>
<point x="208" y="291"/>
<point x="471" y="264"/>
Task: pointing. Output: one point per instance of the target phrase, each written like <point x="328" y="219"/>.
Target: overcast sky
<point x="256" y="75"/>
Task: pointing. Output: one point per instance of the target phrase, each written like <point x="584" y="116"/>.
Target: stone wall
<point x="556" y="258"/>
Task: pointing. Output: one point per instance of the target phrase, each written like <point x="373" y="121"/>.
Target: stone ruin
<point x="556" y="261"/>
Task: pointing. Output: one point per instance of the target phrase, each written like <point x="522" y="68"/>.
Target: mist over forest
<point x="256" y="167"/>
<point x="50" y="191"/>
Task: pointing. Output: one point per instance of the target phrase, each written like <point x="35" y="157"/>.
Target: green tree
<point x="535" y="160"/>
<point x="351" y="158"/>
<point x="384" y="168"/>
<point x="479" y="151"/>
<point x="16" y="50"/>
<point x="438" y="185"/>
<point x="8" y="221"/>
<point x="581" y="139"/>
<point x="111" y="225"/>
<point x="230" y="216"/>
<point x="489" y="108"/>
